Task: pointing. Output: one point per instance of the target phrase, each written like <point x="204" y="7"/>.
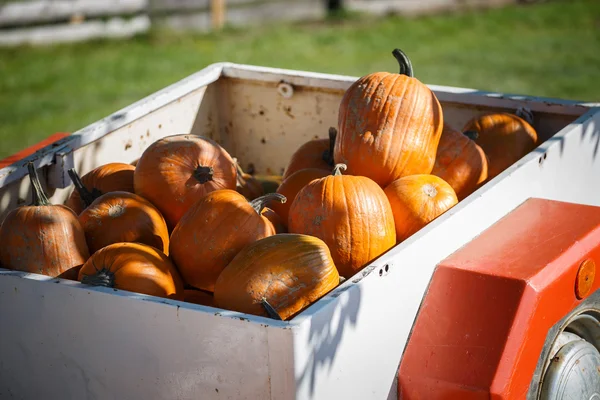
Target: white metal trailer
<point x="62" y="339"/>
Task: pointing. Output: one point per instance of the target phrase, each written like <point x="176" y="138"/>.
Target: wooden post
<point x="217" y="12"/>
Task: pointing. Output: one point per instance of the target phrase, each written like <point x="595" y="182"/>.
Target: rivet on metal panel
<point x="585" y="278"/>
<point x="285" y="89"/>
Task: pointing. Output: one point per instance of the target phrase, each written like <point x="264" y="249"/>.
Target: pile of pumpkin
<point x="187" y="223"/>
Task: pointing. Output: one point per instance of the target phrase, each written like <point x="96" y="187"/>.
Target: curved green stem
<point x="271" y="312"/>
<point x="261" y="202"/>
<point x="328" y="154"/>
<point x="203" y="174"/>
<point x="472" y="134"/>
<point x="337" y="170"/>
<point x="103" y="278"/>
<point x="38" y="196"/>
<point x="404" y="62"/>
<point x="86" y="196"/>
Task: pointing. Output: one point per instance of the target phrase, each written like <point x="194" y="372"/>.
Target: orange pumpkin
<point x="269" y="183"/>
<point x="277" y="276"/>
<point x="275" y="219"/>
<point x="316" y="153"/>
<point x="213" y="231"/>
<point x="351" y="214"/>
<point x="247" y="184"/>
<point x="42" y="238"/>
<point x="123" y="217"/>
<point x="198" y="297"/>
<point x="134" y="267"/>
<point x="292" y="185"/>
<point x="505" y="138"/>
<point x="460" y="162"/>
<point x="417" y="200"/>
<point x="106" y="178"/>
<point x="176" y="171"/>
<point x="389" y="125"/>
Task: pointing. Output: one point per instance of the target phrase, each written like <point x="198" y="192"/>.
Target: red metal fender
<point x="489" y="306"/>
<point x="32" y="149"/>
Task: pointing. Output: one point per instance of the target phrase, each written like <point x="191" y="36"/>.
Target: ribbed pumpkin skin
<point x="124" y="217"/>
<point x="460" y="162"/>
<point x="351" y="214"/>
<point x="42" y="238"/>
<point x="290" y="271"/>
<point x="292" y="185"/>
<point x="166" y="173"/>
<point x="111" y="177"/>
<point x="504" y="137"/>
<point x="309" y="155"/>
<point x="137" y="268"/>
<point x="211" y="233"/>
<point x="389" y="127"/>
<point x="417" y="200"/>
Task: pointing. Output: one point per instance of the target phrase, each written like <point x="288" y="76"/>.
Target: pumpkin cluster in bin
<point x="186" y="222"/>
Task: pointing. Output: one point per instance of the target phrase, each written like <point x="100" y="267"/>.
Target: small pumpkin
<point x="275" y="219"/>
<point x="213" y="231"/>
<point x="124" y="217"/>
<point x="460" y="161"/>
<point x="42" y="238"/>
<point x="292" y="185"/>
<point x="351" y="214"/>
<point x="134" y="267"/>
<point x="417" y="200"/>
<point x="389" y="125"/>
<point x="106" y="178"/>
<point x="277" y="276"/>
<point x="247" y="184"/>
<point x="505" y="138"/>
<point x="316" y="153"/>
<point x="198" y="297"/>
<point x="176" y="171"/>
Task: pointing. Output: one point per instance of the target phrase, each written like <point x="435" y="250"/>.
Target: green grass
<point x="550" y="49"/>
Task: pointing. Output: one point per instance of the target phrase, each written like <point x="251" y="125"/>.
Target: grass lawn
<point x="550" y="49"/>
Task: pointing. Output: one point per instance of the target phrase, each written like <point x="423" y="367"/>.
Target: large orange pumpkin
<point x="42" y="238"/>
<point x="213" y="231"/>
<point x="280" y="275"/>
<point x="505" y="138"/>
<point x="134" y="267"/>
<point x="316" y="153"/>
<point x="292" y="185"/>
<point x="460" y="162"/>
<point x="417" y="200"/>
<point x="123" y="217"/>
<point x="351" y="214"/>
<point x="176" y="171"/>
<point x="389" y="125"/>
<point x="106" y="178"/>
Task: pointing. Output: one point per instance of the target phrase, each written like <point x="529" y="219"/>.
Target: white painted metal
<point x="348" y="344"/>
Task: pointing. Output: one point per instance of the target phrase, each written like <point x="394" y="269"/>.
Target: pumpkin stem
<point x="104" y="278"/>
<point x="203" y="174"/>
<point x="38" y="196"/>
<point x="328" y="154"/>
<point x="270" y="310"/>
<point x="337" y="170"/>
<point x="526" y="114"/>
<point x="86" y="196"/>
<point x="472" y="134"/>
<point x="261" y="202"/>
<point x="404" y="62"/>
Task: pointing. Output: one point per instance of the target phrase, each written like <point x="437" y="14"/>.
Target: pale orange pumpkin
<point x="417" y="200"/>
<point x="316" y="153"/>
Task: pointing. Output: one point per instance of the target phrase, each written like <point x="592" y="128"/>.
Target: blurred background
<point x="67" y="63"/>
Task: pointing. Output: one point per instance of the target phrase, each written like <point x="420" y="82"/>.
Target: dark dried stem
<point x="38" y="196"/>
<point x="337" y="170"/>
<point x="261" y="202"/>
<point x="271" y="312"/>
<point x="203" y="174"/>
<point x="86" y="196"/>
<point x="103" y="278"/>
<point x="328" y="154"/>
<point x="472" y="134"/>
<point x="404" y="62"/>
